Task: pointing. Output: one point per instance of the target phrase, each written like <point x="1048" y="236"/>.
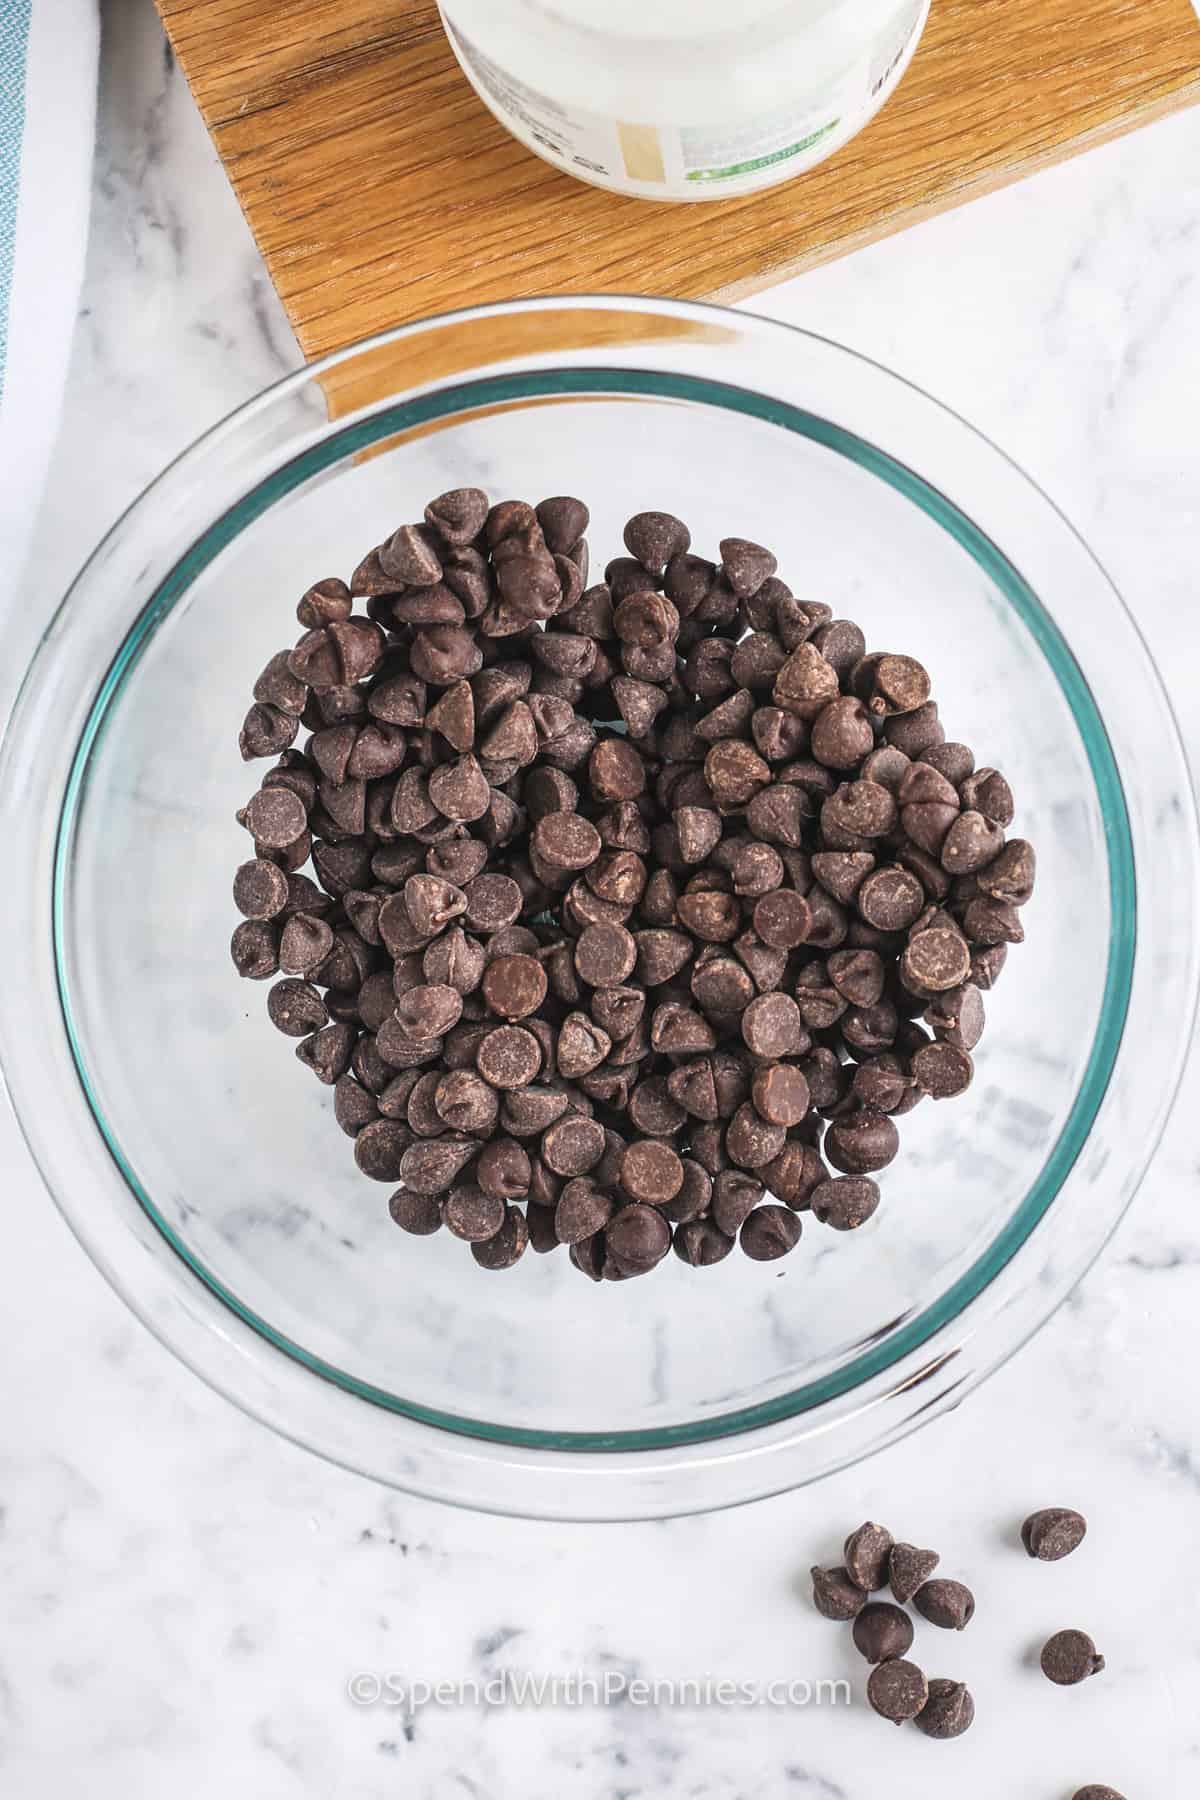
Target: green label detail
<point x="762" y="162"/>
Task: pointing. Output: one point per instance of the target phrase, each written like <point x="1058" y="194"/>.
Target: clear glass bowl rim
<point x="445" y="398"/>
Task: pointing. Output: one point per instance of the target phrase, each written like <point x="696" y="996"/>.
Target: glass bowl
<point x="200" y="1164"/>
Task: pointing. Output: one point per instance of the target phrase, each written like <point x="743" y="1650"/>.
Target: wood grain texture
<point x="380" y="189"/>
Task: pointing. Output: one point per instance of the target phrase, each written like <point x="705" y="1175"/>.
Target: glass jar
<point x="684" y="99"/>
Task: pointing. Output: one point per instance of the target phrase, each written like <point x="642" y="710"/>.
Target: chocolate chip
<point x="846" y="1202"/>
<point x="638" y="1237"/>
<point x="651" y="1172"/>
<point x="949" y="1711"/>
<point x="779" y="1091"/>
<point x="514" y="986"/>
<point x="842" y="872"/>
<point x="898" y="1691"/>
<point x="583" y="1209"/>
<point x="867" y="1554"/>
<point x="296" y="1008"/>
<point x="987" y="792"/>
<point x="1070" y="1657"/>
<point x="711" y="915"/>
<point x="770" y="1232"/>
<point x="945" y="1603"/>
<point x="751" y="1140"/>
<point x="472" y="1215"/>
<point x="509" y="1057"/>
<point x="460" y="790"/>
<point x="275" y="817"/>
<point x="266" y="731"/>
<point x="735" y="1195"/>
<point x="429" y="1167"/>
<point x="605" y="955"/>
<point x="573" y="1145"/>
<point x="254" y="947"/>
<point x="1009" y="877"/>
<point x="503" y="1169"/>
<point x="908" y="1569"/>
<point x="458" y="516"/>
<point x="566" y="841"/>
<point x="891" y="684"/>
<point x="1092" y="1792"/>
<point x="842" y="734"/>
<point x="324" y="602"/>
<point x="942" y="1071"/>
<point x="699" y="1243"/>
<point x="783" y="919"/>
<point x="935" y="961"/>
<point x="1053" y="1533"/>
<point x="835" y="1596"/>
<point x="661" y="955"/>
<point x="745" y="565"/>
<point x="891" y="899"/>
<point x="988" y="922"/>
<point x="466" y="1103"/>
<point x="806" y="683"/>
<point x="956" y="1017"/>
<point x="428" y="1010"/>
<point x="528" y="1110"/>
<point x="772" y="1026"/>
<point x="654" y="538"/>
<point x="420" y="1214"/>
<point x="327" y="1052"/>
<point x="861" y="1142"/>
<point x="507" y="1246"/>
<point x="882" y="1632"/>
<point x="304" y="944"/>
<point x="971" y="843"/>
<point x="260" y="889"/>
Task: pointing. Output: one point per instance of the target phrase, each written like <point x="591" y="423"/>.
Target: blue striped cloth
<point x="49" y="51"/>
<point x="14" y="43"/>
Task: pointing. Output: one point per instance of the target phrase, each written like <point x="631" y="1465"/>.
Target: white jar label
<point x="696" y="161"/>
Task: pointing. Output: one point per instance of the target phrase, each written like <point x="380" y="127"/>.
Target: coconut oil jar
<point x="684" y="99"/>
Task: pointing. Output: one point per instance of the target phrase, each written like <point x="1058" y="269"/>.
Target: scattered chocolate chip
<point x="898" y="1690"/>
<point x="908" y="1569"/>
<point x="1070" y="1657"/>
<point x="835" y="1596"/>
<point x="949" y="1711"/>
<point x="945" y="1603"/>
<point x="867" y="1555"/>
<point x="1053" y="1533"/>
<point x="882" y="1632"/>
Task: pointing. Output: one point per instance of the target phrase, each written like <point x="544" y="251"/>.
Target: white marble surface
<point x="183" y="1598"/>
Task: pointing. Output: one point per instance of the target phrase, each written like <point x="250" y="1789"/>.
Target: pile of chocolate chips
<point x="642" y="910"/>
<point x="883" y="1632"/>
<point x="898" y="1689"/>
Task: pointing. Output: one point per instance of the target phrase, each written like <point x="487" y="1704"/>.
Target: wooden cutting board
<point x="380" y="189"/>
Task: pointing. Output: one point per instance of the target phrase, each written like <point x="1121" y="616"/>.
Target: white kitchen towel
<point x="49" y="52"/>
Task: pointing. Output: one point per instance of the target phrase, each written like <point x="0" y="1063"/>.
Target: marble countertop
<point x="184" y="1598"/>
